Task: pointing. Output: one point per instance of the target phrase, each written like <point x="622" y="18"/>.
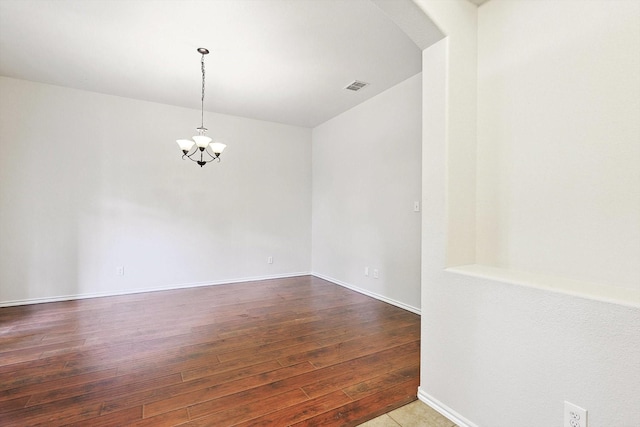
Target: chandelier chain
<point x="202" y="99"/>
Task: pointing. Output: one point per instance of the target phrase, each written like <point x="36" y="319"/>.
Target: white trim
<point x="368" y="293"/>
<point x="143" y="290"/>
<point x="444" y="410"/>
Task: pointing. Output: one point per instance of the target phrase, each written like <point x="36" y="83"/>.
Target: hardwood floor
<point x="298" y="351"/>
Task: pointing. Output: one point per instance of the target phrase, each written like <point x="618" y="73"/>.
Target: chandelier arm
<point x="211" y="154"/>
<point x="190" y="155"/>
<point x="202" y="161"/>
<point x="195" y="150"/>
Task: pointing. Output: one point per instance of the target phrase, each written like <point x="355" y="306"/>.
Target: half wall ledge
<point x="588" y="290"/>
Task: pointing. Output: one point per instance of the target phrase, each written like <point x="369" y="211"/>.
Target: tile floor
<point x="415" y="414"/>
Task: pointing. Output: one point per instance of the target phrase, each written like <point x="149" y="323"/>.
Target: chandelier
<point x="202" y="142"/>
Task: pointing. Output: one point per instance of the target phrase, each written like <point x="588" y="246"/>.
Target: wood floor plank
<point x="228" y="371"/>
<point x="328" y="379"/>
<point x="361" y="372"/>
<point x="195" y="386"/>
<point x="125" y="417"/>
<point x="374" y="385"/>
<point x="20" y="374"/>
<point x="361" y="410"/>
<point x="29" y="367"/>
<point x="13" y="404"/>
<point x="81" y="404"/>
<point x="219" y="393"/>
<point x="238" y="411"/>
<point x="53" y="414"/>
<point x="118" y="385"/>
<point x="172" y="418"/>
<point x="46" y="384"/>
<point x="16" y="341"/>
<point x="278" y="352"/>
<point x="328" y="355"/>
<point x="37" y="351"/>
<point x="298" y="412"/>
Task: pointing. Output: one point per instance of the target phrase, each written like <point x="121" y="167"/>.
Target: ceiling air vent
<point x="356" y="85"/>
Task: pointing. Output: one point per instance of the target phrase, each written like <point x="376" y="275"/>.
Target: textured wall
<point x="559" y="139"/>
<point x="495" y="354"/>
<point x="366" y="177"/>
<point x="90" y="182"/>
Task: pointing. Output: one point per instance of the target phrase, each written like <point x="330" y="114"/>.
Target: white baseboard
<point x="369" y="293"/>
<point x="142" y="290"/>
<point x="444" y="409"/>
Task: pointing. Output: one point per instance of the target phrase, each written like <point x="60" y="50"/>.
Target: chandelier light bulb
<point x="185" y="144"/>
<point x="201" y="140"/>
<point x="218" y="147"/>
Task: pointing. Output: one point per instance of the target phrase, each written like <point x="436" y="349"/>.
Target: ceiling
<point x="285" y="61"/>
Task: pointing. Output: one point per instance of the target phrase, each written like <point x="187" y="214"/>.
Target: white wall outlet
<point x="376" y="273"/>
<point x="366" y="271"/>
<point x="120" y="270"/>
<point x="416" y="206"/>
<point x="269" y="260"/>
<point x="574" y="416"/>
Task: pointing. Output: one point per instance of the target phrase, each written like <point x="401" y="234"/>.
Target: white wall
<point x="559" y="139"/>
<point x="496" y="354"/>
<point x="89" y="182"/>
<point x="366" y="177"/>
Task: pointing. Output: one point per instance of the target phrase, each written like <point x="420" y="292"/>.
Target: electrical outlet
<point x="270" y="260"/>
<point x="574" y="416"/>
<point x="416" y="206"/>
<point x="376" y="274"/>
<point x="120" y="271"/>
<point x="366" y="271"/>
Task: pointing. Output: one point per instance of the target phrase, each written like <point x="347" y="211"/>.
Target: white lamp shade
<point x="218" y="147"/>
<point x="201" y="140"/>
<point x="185" y="144"/>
